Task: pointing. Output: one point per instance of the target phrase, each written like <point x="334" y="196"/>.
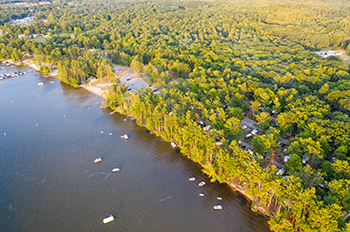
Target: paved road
<point x="247" y="145"/>
<point x="250" y="123"/>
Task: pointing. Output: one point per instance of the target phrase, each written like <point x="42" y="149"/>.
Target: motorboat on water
<point x="40" y="83"/>
<point x="218" y="207"/>
<point x="99" y="159"/>
<point x="108" y="219"/>
<point x="173" y="144"/>
<point x="115" y="169"/>
<point x="201" y="194"/>
<point x="201" y="184"/>
<point x="126" y="137"/>
<point x="192" y="179"/>
<point x="219" y="198"/>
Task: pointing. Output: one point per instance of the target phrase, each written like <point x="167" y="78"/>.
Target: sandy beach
<point x="98" y="90"/>
<point x="26" y="62"/>
<point x="126" y="75"/>
<point x="94" y="90"/>
<point x="31" y="64"/>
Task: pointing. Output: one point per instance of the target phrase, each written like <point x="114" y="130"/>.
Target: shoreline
<point x="127" y="77"/>
<point x="30" y="63"/>
<point x="94" y="90"/>
<point x="258" y="208"/>
<point x="99" y="91"/>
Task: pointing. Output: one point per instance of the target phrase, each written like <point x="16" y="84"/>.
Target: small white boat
<point x="173" y="144"/>
<point x="40" y="83"/>
<point x="110" y="133"/>
<point x="219" y="198"/>
<point x="218" y="207"/>
<point x="126" y="137"/>
<point x="201" y="184"/>
<point x="108" y="219"/>
<point x="192" y="179"/>
<point x="115" y="169"/>
<point x="124" y="119"/>
<point x="102" y="132"/>
<point x="99" y="159"/>
<point x="201" y="194"/>
<point x="52" y="82"/>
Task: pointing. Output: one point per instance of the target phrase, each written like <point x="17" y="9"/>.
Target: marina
<point x="11" y="75"/>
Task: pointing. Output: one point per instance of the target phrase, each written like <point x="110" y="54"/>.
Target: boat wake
<point x="107" y="175"/>
<point x="91" y="175"/>
<point x="165" y="198"/>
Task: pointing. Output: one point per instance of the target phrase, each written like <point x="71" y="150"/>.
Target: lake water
<point x="49" y="138"/>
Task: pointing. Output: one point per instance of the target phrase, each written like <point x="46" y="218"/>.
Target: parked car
<point x="305" y="159"/>
<point x="286" y="158"/>
<point x="248" y="136"/>
<point x="280" y="171"/>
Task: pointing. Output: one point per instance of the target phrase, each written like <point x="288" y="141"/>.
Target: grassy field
<point x="40" y="40"/>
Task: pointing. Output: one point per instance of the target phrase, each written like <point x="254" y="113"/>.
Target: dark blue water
<point x="49" y="182"/>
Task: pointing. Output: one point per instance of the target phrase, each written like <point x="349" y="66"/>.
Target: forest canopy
<point x="217" y="63"/>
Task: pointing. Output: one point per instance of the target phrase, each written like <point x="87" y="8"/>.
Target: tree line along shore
<point x="210" y="67"/>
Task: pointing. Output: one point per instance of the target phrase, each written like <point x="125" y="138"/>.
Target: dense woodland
<point x="214" y="62"/>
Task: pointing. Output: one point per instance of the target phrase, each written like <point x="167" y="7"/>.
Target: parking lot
<point x="250" y="123"/>
<point x="128" y="77"/>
